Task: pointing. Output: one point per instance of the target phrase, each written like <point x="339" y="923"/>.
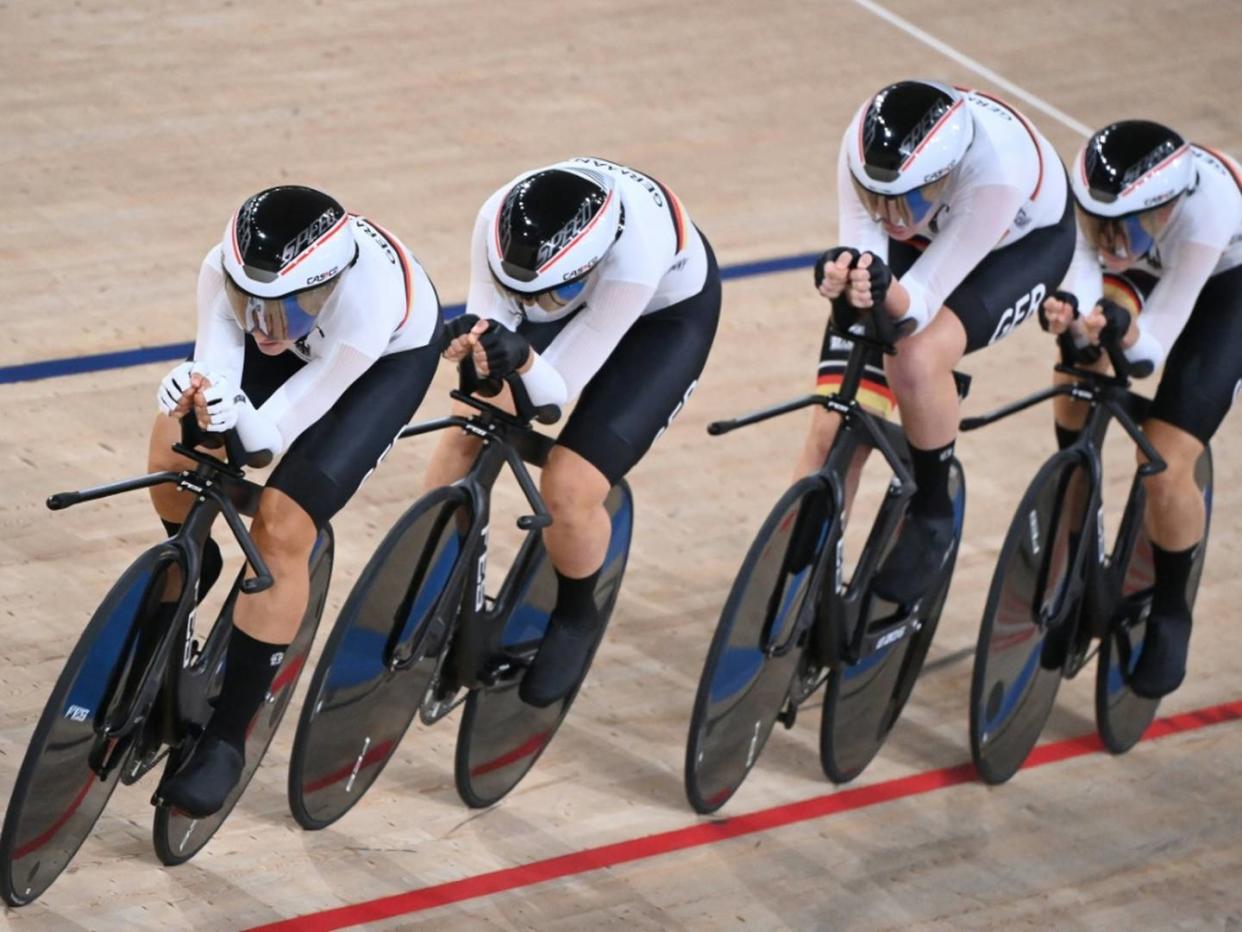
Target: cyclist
<point x="1161" y="233"/>
<point x="956" y="222"/>
<point x="318" y="336"/>
<point x="588" y="279"/>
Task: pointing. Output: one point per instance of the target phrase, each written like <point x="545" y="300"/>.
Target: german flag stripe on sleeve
<point x="405" y="270"/>
<point x="676" y="213"/>
<point x="1039" y="153"/>
<point x="1224" y="160"/>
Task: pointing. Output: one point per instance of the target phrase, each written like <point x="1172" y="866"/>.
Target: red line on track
<point x="706" y="833"/>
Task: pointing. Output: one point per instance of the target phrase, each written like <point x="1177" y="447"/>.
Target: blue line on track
<point x="122" y="359"/>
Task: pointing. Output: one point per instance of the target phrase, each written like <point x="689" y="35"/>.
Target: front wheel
<point x="71" y="766"/>
<point x="177" y="836"/>
<point x="757" y="645"/>
<point x="361" y="701"/>
<point x="1017" y="666"/>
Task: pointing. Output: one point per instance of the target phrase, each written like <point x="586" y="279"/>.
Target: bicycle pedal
<point x="439" y="700"/>
<point x="884" y="632"/>
<point x="788" y="715"/>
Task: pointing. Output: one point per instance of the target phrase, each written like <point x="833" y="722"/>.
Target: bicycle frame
<point x="128" y="701"/>
<point x="1109" y="398"/>
<point x="461" y="613"/>
<point x="842" y="605"/>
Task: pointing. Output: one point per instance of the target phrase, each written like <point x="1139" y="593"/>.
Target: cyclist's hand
<point x="833" y="269"/>
<point x="500" y="351"/>
<point x="176" y="392"/>
<point x="1093" y="325"/>
<point x="462" y="335"/>
<point x="1057" y="312"/>
<point x="869" y="282"/>
<point x="215" y="402"/>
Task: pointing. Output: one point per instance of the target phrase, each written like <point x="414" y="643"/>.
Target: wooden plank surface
<point x="131" y="132"/>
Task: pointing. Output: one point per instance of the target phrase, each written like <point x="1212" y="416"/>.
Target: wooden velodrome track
<point x="133" y="129"/>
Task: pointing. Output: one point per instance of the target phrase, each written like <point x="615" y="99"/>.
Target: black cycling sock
<point x="1172" y="574"/>
<point x="1066" y="437"/>
<point x="213" y="560"/>
<point x="248" y="670"/>
<point x="931" y="475"/>
<point x="575" y="598"/>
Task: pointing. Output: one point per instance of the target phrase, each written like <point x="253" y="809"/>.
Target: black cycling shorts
<point x="330" y="459"/>
<point x="645" y="381"/>
<point x="1203" y="372"/>
<point x="1001" y="292"/>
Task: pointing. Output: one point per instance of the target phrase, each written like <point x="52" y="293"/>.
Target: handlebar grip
<point x="238" y="456"/>
<point x="531" y="522"/>
<point x="1116" y="355"/>
<point x="256" y="584"/>
<point x="526" y="409"/>
<point x="59" y="500"/>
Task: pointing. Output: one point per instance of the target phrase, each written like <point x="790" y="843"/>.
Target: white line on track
<point x="980" y="69"/>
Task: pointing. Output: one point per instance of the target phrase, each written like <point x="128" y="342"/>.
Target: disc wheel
<point x="177" y="836"/>
<point x="1122" y="715"/>
<point x="501" y="737"/>
<point x="71" y="767"/>
<point x="1017" y="666"/>
<point x="360" y="704"/>
<point x="752" y="662"/>
<point x="864" y="700"/>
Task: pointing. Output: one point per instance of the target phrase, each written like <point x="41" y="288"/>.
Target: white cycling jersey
<point x="658" y="260"/>
<point x="1202" y="238"/>
<point x="1009" y="182"/>
<point x="383" y="304"/>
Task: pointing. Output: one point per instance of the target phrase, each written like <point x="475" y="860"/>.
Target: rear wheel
<point x="1017" y="666"/>
<point x="378" y="661"/>
<point x="864" y="700"/>
<point x="71" y="766"/>
<point x="757" y="646"/>
<point x="177" y="836"/>
<point x="501" y="737"/>
<point x="1121" y="715"/>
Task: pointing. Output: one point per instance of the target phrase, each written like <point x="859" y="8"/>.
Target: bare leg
<point x="285" y="536"/>
<point x="819" y="438"/>
<point x="575" y="491"/>
<point x="1175" y="511"/>
<point x="577" y="542"/>
<point x="1175" y="522"/>
<point x="921" y="376"/>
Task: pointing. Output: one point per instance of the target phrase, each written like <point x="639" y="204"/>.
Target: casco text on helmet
<point x="1131" y="166"/>
<point x="552" y="228"/>
<point x="908" y="135"/>
<point x="287" y="239"/>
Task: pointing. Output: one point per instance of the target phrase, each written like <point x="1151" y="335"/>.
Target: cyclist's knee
<point x="928" y="355"/>
<point x="571" y="485"/>
<point x="917" y="363"/>
<point x="819" y="439"/>
<point x="160" y="456"/>
<point x="282" y="528"/>
<point x="1180" y="452"/>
